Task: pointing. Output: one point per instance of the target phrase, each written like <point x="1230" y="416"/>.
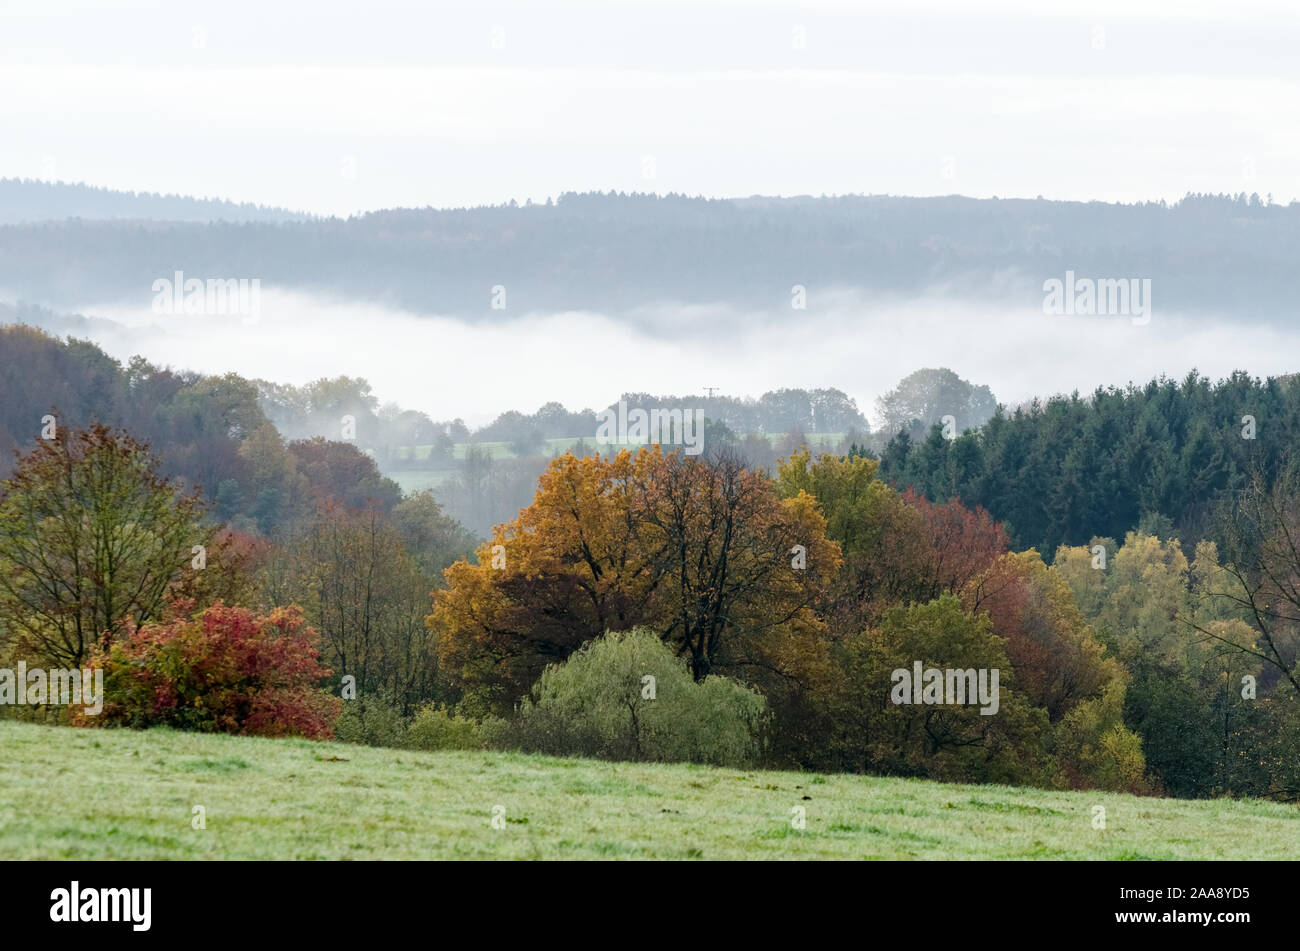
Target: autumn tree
<point x="363" y="591"/>
<point x="1149" y="604"/>
<point x="902" y="549"/>
<point x="704" y="553"/>
<point x="880" y="537"/>
<point x="953" y="742"/>
<point x="737" y="567"/>
<point x="231" y="563"/>
<point x="1057" y="658"/>
<point x="341" y="472"/>
<point x="568" y="569"/>
<point x="1062" y="667"/>
<point x="1261" y="573"/>
<point x="897" y="547"/>
<point x="91" y="539"/>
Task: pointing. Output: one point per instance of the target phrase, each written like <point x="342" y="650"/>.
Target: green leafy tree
<point x="627" y="696"/>
<point x="954" y="742"/>
<point x="92" y="539"/>
<point x="924" y="397"/>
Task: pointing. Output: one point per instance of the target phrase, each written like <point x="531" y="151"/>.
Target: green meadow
<point x="69" y="793"/>
<point x="417" y="480"/>
<point x="560" y="445"/>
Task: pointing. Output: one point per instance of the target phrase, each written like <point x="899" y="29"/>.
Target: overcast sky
<point x="337" y="108"/>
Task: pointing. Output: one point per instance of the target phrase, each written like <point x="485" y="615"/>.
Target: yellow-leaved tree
<point x="705" y="553"/>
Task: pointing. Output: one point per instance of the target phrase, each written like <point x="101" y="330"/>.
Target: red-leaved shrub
<point x="225" y="669"/>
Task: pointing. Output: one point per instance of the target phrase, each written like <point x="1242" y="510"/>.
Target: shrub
<point x="598" y="703"/>
<point x="436" y="728"/>
<point x="226" y="669"/>
<point x="372" y="721"/>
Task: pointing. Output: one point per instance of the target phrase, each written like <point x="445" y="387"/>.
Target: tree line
<point x="774" y="609"/>
<point x="1063" y="471"/>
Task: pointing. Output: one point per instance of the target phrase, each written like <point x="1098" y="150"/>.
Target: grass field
<point x="83" y="793"/>
<point x="562" y="444"/>
<point x="417" y="480"/>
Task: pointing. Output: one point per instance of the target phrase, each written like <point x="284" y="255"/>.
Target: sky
<point x="338" y="108"/>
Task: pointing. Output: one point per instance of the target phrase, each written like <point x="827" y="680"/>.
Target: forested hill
<point x="1076" y="467"/>
<point x="1230" y="257"/>
<point x="208" y="431"/>
<point x="28" y="200"/>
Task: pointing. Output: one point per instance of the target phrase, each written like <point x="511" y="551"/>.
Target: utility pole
<point x="710" y="390"/>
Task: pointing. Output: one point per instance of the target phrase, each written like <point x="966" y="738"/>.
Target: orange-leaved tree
<point x="703" y="552"/>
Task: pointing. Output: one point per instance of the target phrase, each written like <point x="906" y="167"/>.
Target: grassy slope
<point x="562" y="444"/>
<point x="79" y="793"/>
<point x="417" y="480"/>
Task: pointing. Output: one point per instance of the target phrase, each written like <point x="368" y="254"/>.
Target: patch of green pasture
<point x="122" y="794"/>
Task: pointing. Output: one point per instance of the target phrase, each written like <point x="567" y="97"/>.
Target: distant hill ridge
<point x="24" y="200"/>
<point x="639" y="256"/>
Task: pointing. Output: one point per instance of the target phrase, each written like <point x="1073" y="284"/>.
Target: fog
<point x="451" y="368"/>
